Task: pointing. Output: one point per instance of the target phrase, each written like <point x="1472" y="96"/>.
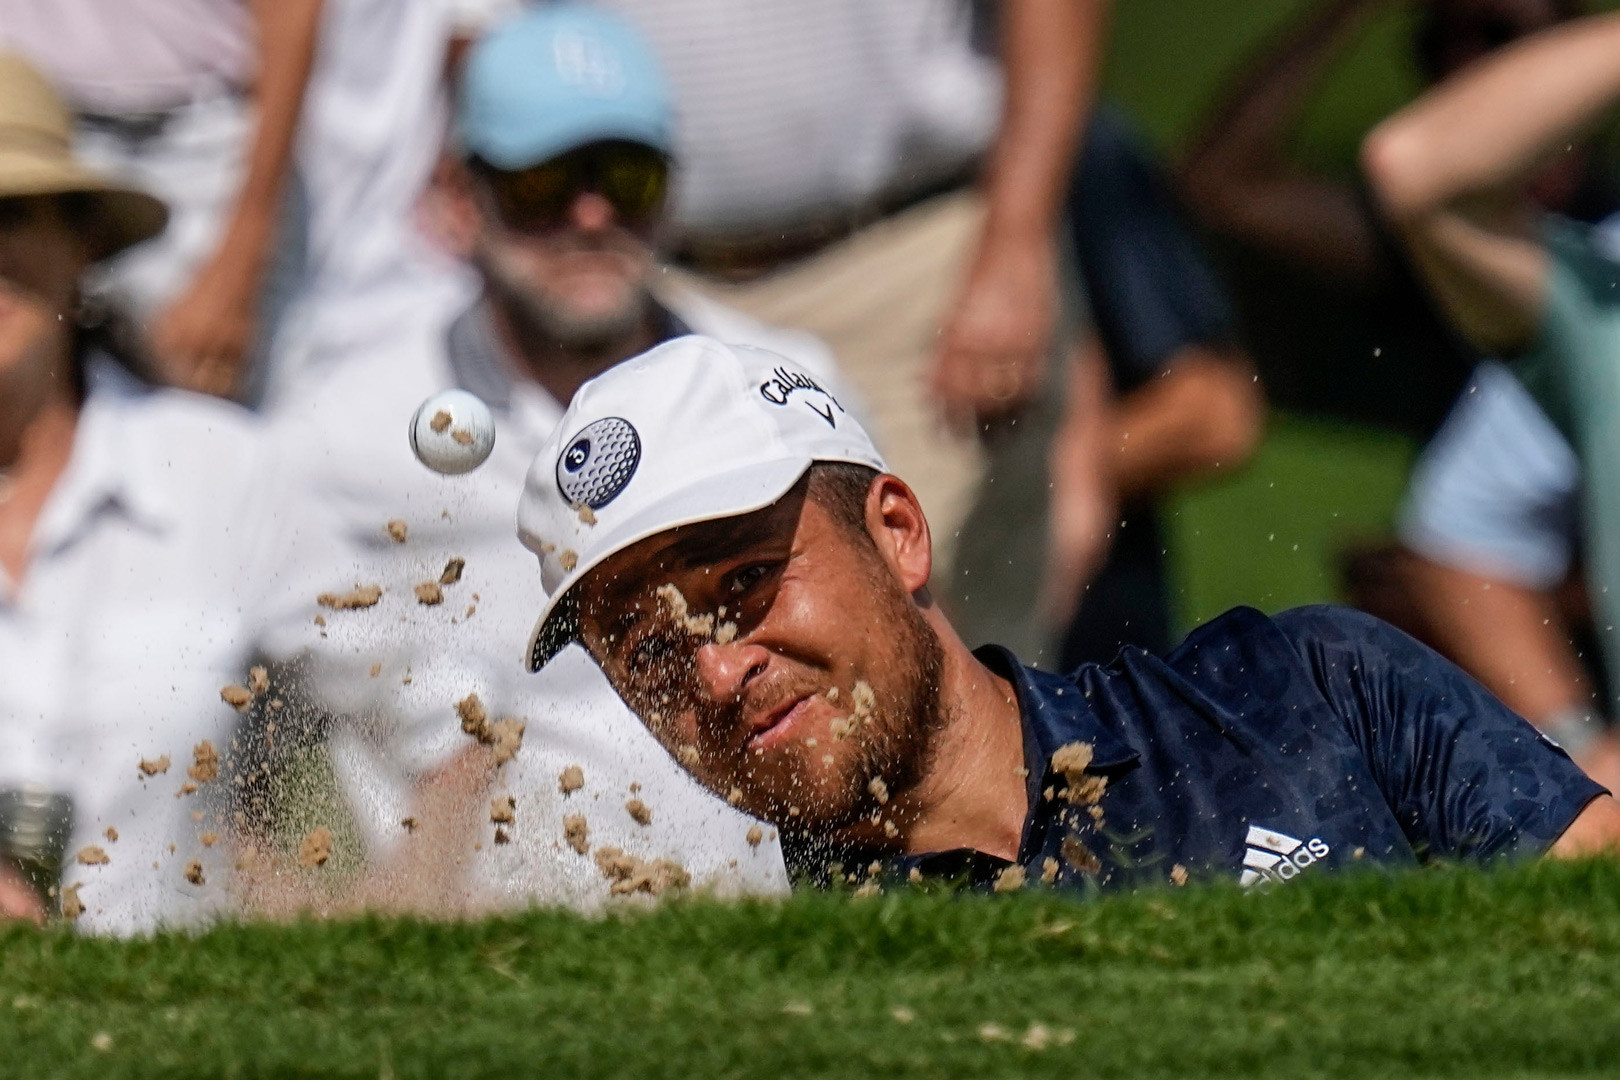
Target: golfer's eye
<point x="651" y="650"/>
<point x="746" y="577"/>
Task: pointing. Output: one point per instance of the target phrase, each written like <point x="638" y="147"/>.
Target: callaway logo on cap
<point x="693" y="430"/>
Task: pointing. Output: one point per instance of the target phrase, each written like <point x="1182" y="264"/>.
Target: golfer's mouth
<point x="780" y="724"/>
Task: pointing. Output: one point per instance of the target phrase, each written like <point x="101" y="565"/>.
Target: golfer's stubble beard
<point x="790" y="787"/>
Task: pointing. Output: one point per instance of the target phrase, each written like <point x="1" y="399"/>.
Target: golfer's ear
<point x="895" y="519"/>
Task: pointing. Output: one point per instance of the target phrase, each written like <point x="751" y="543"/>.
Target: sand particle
<point x="361" y="597"/>
<point x="187" y="788"/>
<point x="101" y="1042"/>
<point x="409" y="824"/>
<point x="1178" y="874"/>
<point x="503" y="810"/>
<point x="1011" y="879"/>
<point x="1079" y="856"/>
<point x="258" y="680"/>
<point x="586" y="514"/>
<point x="462" y="436"/>
<point x="237" y="697"/>
<point x="111" y="834"/>
<point x="316" y="848"/>
<point x="209" y="839"/>
<point x="154" y="766"/>
<point x="577" y="833"/>
<point x="628" y="874"/>
<point x="91" y="855"/>
<point x="376" y="670"/>
<point x="879" y="790"/>
<point x="567" y="560"/>
<point x="441" y="421"/>
<point x="570" y="779"/>
<point x="194" y="873"/>
<point x="735" y="796"/>
<point x="452" y="571"/>
<point x="1049" y="870"/>
<point x="755" y="835"/>
<point x="725" y="633"/>
<point x="501" y="835"/>
<point x="204" y="763"/>
<point x="640" y="811"/>
<point x="72" y="906"/>
<point x="397" y="531"/>
<point x="797" y="1008"/>
<point x="902" y="1015"/>
<point x="429" y="593"/>
<point x="890" y="829"/>
<point x="687" y="755"/>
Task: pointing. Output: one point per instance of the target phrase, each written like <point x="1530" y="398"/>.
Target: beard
<point x="550" y="317"/>
<point x="790" y="787"/>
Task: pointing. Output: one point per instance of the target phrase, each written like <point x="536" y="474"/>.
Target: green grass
<point x="1271" y="536"/>
<point x="1439" y="973"/>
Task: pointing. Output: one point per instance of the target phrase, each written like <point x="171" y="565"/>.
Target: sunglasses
<point x="631" y="177"/>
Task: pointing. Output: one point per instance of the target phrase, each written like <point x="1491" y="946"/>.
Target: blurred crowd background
<point x="1125" y="291"/>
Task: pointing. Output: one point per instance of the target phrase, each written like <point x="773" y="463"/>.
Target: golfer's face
<point x="741" y="644"/>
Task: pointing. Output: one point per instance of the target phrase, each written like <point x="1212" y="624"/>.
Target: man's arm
<point x="1238" y="176"/>
<point x="995" y="339"/>
<point x="1449" y="170"/>
<point x="202" y="341"/>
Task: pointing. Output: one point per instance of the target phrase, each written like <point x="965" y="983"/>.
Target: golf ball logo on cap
<point x="598" y="462"/>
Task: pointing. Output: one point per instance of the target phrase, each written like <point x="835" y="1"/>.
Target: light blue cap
<point x="559" y="76"/>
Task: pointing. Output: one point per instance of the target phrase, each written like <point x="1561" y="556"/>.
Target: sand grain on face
<point x="577" y="833"/>
<point x="316" y="848"/>
<point x="879" y="789"/>
<point x="452" y="571"/>
<point x="571" y="779"/>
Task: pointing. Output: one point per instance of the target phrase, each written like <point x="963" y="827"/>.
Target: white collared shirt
<point x="168" y="554"/>
<point x="353" y="432"/>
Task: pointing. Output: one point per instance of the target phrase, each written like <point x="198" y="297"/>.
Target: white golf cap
<point x="693" y="430"/>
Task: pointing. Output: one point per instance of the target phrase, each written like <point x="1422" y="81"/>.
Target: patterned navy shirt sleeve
<point x="1465" y="776"/>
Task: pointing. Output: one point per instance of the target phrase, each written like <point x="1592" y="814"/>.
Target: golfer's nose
<point x="725" y="671"/>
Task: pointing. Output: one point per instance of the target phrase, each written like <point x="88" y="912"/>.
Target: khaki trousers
<point x="878" y="299"/>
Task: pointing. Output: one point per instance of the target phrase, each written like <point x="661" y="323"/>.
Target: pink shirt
<point x="134" y="56"/>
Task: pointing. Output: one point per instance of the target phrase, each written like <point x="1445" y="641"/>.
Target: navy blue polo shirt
<point x="1265" y="748"/>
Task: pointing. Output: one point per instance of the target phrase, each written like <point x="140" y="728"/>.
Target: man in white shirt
<point x="564" y="136"/>
<point x="151" y="547"/>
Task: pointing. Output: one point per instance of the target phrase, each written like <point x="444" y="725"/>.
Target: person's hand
<point x="17" y="899"/>
<point x="993" y="350"/>
<point x="1085" y="498"/>
<point x="201" y="342"/>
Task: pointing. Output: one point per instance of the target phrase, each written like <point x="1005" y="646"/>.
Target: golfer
<point x="726" y="542"/>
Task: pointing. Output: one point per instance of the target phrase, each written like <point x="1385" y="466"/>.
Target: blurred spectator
<point x="1337" y="316"/>
<point x="150" y="546"/>
<point x="1451" y="171"/>
<point x="889" y="177"/>
<point x="1485" y="540"/>
<point x="373" y="127"/>
<point x="197" y="101"/>
<point x="1164" y="394"/>
<point x="563" y="141"/>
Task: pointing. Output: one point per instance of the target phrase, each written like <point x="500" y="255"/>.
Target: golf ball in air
<point x="452" y="432"/>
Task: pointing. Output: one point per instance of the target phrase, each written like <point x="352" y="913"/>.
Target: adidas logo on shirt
<point x="1275" y="856"/>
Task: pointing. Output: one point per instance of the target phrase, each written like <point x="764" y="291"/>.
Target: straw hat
<point x="36" y="158"/>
